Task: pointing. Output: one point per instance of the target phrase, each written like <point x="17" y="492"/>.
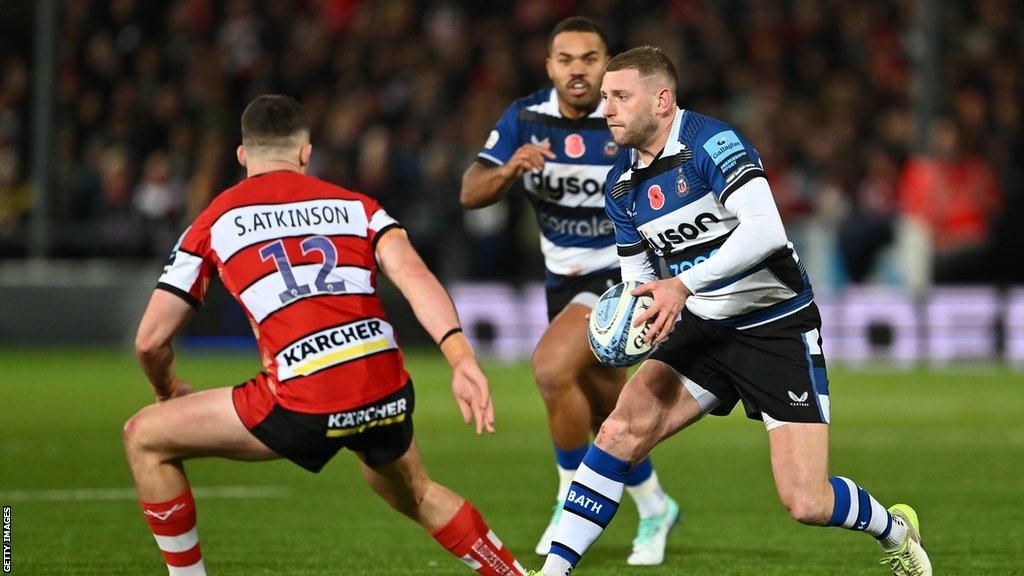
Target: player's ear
<point x="240" y="154"/>
<point x="304" y="154"/>
<point x="665" y="101"/>
<point x="547" y="67"/>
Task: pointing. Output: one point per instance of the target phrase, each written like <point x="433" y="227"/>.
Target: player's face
<point x="575" y="66"/>
<point x="629" y="107"/>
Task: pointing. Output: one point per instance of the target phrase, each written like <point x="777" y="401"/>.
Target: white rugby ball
<point x="613" y="338"/>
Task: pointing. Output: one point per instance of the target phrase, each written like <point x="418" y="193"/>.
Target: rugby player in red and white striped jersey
<point x="301" y="256"/>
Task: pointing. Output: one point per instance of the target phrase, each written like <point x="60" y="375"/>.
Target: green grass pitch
<point x="951" y="444"/>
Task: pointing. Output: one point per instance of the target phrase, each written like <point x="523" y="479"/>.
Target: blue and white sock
<point x="567" y="463"/>
<point x="591" y="503"/>
<point x="857" y="510"/>
<point x="645" y="489"/>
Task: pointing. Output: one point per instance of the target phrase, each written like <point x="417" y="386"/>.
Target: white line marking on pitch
<point x="87" y="494"/>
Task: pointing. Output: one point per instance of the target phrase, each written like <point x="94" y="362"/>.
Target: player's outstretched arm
<point x="436" y="313"/>
<point x="164" y="316"/>
<point x="484" y="185"/>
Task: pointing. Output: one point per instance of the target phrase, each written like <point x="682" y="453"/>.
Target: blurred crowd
<point x="402" y="95"/>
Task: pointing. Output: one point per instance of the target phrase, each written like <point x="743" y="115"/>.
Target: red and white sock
<point x="174" y="526"/>
<point x="467" y="536"/>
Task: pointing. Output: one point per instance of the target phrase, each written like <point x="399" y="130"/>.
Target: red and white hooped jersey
<point x="298" y="254"/>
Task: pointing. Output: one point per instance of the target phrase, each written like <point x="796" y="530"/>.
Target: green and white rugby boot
<point x="652" y="535"/>
<point x="909" y="559"/>
<point x="544" y="544"/>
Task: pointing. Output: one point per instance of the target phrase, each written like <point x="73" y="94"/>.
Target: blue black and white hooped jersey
<point x="674" y="210"/>
<point x="577" y="237"/>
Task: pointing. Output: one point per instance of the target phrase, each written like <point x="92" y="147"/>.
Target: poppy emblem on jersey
<point x="655" y="197"/>
<point x="681" y="185"/>
<point x="574" y="146"/>
<point x="611" y="148"/>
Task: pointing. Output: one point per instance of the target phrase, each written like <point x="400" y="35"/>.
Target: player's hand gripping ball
<point x="613" y="338"/>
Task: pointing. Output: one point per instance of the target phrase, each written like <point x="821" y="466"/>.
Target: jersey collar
<point x="672" y="147"/>
<point x="557" y="110"/>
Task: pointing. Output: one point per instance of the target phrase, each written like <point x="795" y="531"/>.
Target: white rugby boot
<point x="544" y="544"/>
<point x="652" y="535"/>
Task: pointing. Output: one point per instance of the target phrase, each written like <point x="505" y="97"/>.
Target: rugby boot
<point x="909" y="559"/>
<point x="652" y="535"/>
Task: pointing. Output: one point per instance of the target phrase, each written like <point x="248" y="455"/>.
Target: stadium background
<point x="891" y="133"/>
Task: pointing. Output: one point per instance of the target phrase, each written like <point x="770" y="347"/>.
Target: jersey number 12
<point x="293" y="290"/>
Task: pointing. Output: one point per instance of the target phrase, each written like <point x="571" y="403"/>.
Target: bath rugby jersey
<point x="676" y="209"/>
<point x="576" y="236"/>
<point x="298" y="254"/>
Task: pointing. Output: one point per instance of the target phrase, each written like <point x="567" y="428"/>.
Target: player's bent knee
<point x="140" y="433"/>
<point x="132" y="432"/>
<point x="807" y="509"/>
<point x="619" y="435"/>
<point x="553" y="378"/>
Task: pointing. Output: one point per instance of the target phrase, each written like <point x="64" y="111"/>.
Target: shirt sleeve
<point x="190" y="267"/>
<point x="378" y="222"/>
<point x="503" y="141"/>
<point x="627" y="238"/>
<point x="725" y="159"/>
<point x="758" y="234"/>
<point x="637" y="267"/>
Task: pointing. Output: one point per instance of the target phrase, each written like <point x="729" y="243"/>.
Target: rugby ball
<point x="613" y="338"/>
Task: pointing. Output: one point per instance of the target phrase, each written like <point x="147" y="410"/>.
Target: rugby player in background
<point x="556" y="144"/>
<point x="301" y="256"/>
<point x="693" y="190"/>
